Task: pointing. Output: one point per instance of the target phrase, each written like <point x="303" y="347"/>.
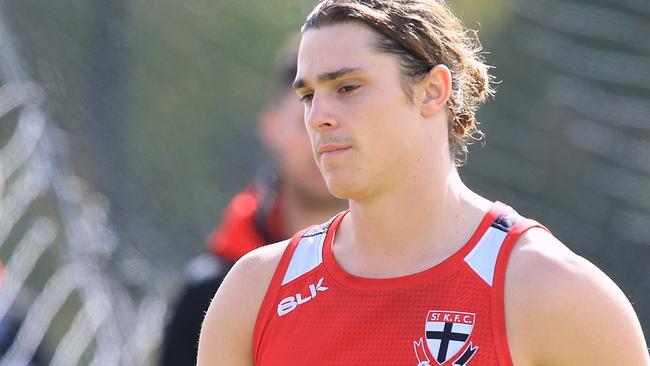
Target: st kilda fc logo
<point x="446" y="336"/>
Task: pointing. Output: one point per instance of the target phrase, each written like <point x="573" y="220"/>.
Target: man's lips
<point x="332" y="148"/>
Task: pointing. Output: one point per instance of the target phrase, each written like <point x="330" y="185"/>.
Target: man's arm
<point x="563" y="311"/>
<point x="227" y="332"/>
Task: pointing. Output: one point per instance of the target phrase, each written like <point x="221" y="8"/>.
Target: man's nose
<point x="319" y="114"/>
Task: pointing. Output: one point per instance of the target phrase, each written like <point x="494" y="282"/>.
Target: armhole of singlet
<point x="498" y="293"/>
<point x="272" y="292"/>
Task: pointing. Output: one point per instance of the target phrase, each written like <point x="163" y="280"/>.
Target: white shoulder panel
<point x="483" y="258"/>
<point x="308" y="254"/>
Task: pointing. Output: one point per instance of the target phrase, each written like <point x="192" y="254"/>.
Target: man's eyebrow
<point x="328" y="76"/>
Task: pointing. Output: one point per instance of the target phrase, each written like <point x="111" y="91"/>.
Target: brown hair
<point x="423" y="34"/>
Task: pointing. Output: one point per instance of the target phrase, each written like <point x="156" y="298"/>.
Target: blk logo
<point x="289" y="304"/>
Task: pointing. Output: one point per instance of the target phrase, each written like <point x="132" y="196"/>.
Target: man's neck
<point x="411" y="229"/>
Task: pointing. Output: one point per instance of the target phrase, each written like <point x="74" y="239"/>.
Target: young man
<point x="420" y="270"/>
<point x="281" y="200"/>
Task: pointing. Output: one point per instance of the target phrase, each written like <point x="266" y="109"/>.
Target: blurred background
<point x="126" y="126"/>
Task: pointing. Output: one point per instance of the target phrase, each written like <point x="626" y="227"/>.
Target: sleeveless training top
<point x="314" y="313"/>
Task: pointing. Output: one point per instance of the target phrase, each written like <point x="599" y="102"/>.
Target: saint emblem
<point x="446" y="334"/>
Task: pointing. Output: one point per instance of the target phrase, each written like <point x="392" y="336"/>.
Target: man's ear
<point x="435" y="90"/>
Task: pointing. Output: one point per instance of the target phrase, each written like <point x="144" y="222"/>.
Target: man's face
<point x="364" y="130"/>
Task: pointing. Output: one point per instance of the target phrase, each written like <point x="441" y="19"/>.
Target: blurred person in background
<point x="286" y="195"/>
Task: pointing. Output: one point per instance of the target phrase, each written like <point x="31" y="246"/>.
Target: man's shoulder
<point x="544" y="272"/>
<point x="227" y="332"/>
<point x="559" y="307"/>
<point x="247" y="281"/>
<point x="260" y="264"/>
<point x="541" y="257"/>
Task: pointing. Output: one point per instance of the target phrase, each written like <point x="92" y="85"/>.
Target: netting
<point x="68" y="294"/>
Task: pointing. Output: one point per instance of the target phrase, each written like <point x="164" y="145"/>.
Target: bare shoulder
<point x="227" y="332"/>
<point x="563" y="310"/>
<point x="258" y="265"/>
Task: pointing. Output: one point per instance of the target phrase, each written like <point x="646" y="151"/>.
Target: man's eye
<point x="348" y="88"/>
<point x="307" y="98"/>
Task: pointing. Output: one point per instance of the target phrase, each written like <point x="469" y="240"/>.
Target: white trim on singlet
<point x="308" y="254"/>
<point x="483" y="258"/>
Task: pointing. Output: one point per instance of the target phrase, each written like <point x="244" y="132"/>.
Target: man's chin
<point x="341" y="188"/>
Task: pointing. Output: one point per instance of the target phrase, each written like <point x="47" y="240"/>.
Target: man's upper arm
<point x="566" y="311"/>
<point x="227" y="332"/>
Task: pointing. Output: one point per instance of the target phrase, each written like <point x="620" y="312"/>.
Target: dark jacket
<point x="251" y="219"/>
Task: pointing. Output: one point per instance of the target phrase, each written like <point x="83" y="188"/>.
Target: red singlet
<point x="314" y="313"/>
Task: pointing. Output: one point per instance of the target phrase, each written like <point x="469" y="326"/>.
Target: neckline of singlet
<point x="451" y="263"/>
